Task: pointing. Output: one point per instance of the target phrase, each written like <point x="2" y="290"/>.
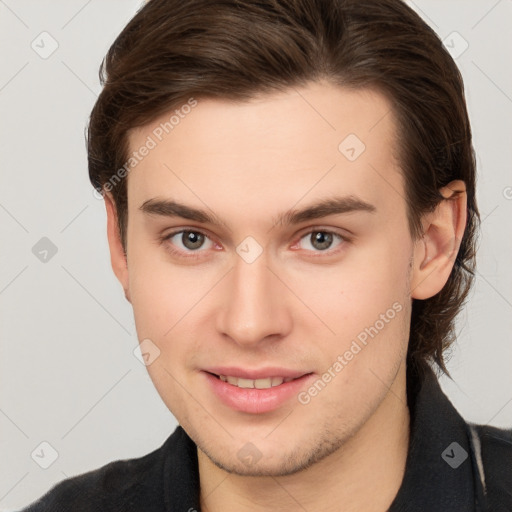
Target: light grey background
<point x="68" y="373"/>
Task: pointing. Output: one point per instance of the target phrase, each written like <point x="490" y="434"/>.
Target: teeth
<point x="263" y="383"/>
<point x="245" y="383"/>
<point x="267" y="383"/>
<point x="276" y="381"/>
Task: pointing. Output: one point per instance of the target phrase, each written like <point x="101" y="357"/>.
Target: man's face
<point x="325" y="299"/>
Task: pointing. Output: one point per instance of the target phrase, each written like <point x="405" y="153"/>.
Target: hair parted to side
<point x="174" y="50"/>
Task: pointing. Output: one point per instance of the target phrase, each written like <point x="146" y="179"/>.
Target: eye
<point x="189" y="240"/>
<point x="189" y="243"/>
<point x="321" y="240"/>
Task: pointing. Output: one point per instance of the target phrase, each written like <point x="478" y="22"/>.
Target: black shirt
<point x="451" y="466"/>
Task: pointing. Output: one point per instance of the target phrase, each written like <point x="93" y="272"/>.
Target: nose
<point x="254" y="306"/>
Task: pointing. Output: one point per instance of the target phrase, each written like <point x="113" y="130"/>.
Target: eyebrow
<point x="323" y="208"/>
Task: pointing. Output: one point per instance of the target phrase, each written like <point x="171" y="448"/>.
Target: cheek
<point x="353" y="294"/>
<point x="164" y="301"/>
<point x="159" y="294"/>
<point x="171" y="304"/>
<point x="365" y="304"/>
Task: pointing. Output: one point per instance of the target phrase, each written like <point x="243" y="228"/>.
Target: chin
<point x="249" y="461"/>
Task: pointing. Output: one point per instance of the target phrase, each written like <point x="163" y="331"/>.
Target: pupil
<point x="321" y="240"/>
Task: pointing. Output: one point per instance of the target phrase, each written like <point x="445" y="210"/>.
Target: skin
<point x="299" y="305"/>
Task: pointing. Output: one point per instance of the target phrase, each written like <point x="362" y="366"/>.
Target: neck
<point x="362" y="475"/>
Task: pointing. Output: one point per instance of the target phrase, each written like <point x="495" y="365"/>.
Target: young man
<point x="290" y="193"/>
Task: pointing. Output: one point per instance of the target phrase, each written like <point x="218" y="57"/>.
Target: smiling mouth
<point x="266" y="383"/>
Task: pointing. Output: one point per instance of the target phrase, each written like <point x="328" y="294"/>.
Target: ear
<point x="435" y="252"/>
<point x="117" y="254"/>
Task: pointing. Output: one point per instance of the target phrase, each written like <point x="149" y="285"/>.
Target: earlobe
<point x="117" y="254"/>
<point x="435" y="252"/>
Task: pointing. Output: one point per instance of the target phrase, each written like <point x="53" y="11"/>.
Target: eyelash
<point x="196" y="254"/>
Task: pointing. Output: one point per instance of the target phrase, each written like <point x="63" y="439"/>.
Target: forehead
<point x="273" y="149"/>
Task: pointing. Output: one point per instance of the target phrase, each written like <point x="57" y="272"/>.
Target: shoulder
<point x="137" y="482"/>
<point x="496" y="465"/>
<point x="496" y="449"/>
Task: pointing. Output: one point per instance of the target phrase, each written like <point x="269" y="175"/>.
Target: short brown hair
<point x="173" y="50"/>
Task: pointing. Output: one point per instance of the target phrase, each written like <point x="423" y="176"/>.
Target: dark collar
<point x="438" y="475"/>
<point x="438" y="472"/>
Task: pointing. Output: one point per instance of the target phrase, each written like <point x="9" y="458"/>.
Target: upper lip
<point x="256" y="373"/>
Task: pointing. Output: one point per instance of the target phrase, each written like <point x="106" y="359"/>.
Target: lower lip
<point x="256" y="401"/>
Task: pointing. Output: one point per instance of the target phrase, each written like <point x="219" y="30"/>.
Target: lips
<point x="255" y="391"/>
